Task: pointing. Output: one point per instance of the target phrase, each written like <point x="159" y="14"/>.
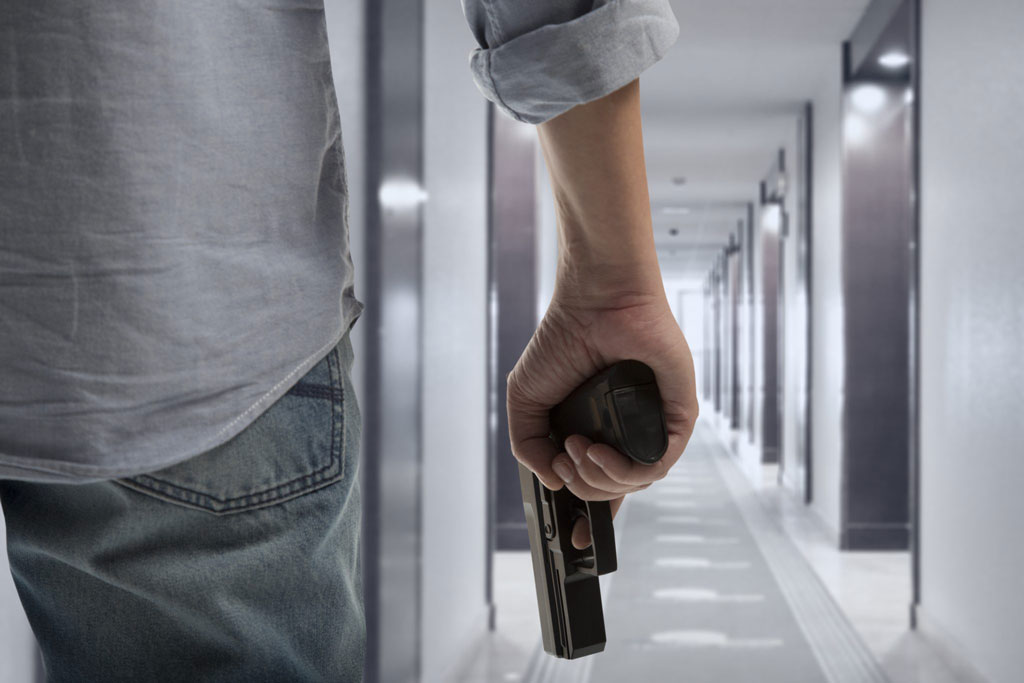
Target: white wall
<point x="455" y="362"/>
<point x="547" y="237"/>
<point x="688" y="304"/>
<point x="792" y="320"/>
<point x="827" y="302"/>
<point x="674" y="287"/>
<point x="972" y="326"/>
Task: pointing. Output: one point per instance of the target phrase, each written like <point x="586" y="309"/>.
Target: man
<point x="178" y="429"/>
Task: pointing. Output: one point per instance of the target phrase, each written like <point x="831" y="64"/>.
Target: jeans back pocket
<point x="294" y="447"/>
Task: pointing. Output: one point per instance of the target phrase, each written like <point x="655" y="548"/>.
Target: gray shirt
<point x="173" y="225"/>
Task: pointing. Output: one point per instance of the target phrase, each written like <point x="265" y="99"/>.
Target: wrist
<point x="587" y="282"/>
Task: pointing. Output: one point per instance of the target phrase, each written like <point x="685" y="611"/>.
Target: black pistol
<point x="621" y="407"/>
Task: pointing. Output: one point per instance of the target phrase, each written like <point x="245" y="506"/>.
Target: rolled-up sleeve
<point x="539" y="58"/>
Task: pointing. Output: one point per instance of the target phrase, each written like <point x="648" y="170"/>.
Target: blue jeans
<point x="240" y="564"/>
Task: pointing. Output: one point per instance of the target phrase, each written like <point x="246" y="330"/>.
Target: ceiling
<point x="719" y="106"/>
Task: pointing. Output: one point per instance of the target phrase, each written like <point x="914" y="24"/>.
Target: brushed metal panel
<point x="733" y="267"/>
<point x="513" y="274"/>
<point x="877" y="221"/>
<point x="392" y="430"/>
<point x="770" y="405"/>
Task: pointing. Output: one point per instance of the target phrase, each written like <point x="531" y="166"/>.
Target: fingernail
<point x="573" y="451"/>
<point x="563" y="471"/>
<point x="596" y="457"/>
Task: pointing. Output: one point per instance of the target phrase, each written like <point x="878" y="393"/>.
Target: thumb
<point x="528" y="429"/>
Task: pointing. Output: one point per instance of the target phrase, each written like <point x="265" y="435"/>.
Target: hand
<point x="579" y="336"/>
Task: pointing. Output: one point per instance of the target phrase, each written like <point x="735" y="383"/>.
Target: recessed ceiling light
<point x="676" y="209"/>
<point x="679" y="180"/>
<point x="894" y="59"/>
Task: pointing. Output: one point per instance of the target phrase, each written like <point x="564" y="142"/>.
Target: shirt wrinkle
<point x="173" y="244"/>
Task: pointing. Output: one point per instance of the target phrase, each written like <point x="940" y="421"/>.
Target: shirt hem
<point x="61" y="472"/>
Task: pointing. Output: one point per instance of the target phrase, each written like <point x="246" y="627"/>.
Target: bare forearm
<point x="594" y="154"/>
<point x="609" y="304"/>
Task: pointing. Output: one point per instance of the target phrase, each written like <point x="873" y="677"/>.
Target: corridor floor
<point x="710" y="590"/>
<point x="723" y="577"/>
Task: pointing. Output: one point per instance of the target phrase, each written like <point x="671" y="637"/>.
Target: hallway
<point x="832" y="201"/>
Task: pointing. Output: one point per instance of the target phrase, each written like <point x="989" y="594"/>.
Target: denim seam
<point x="261" y="498"/>
<point x="270" y="392"/>
<point x="338" y="409"/>
<point x="316" y="391"/>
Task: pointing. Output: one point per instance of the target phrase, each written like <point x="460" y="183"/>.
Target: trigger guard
<point x="602" y="538"/>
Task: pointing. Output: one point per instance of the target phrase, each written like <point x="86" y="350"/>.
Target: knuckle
<point x="690" y="416"/>
<point x="514" y="397"/>
<point x="513" y="387"/>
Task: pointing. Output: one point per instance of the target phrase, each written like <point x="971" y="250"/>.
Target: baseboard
<point x="946" y="647"/>
<point x="830" y="531"/>
<point x="790" y="483"/>
<point x="875" y="537"/>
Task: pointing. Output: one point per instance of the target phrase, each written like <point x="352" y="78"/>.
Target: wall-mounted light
<point x="868" y="98"/>
<point x="679" y="180"/>
<point x="771" y="218"/>
<point x="894" y="60"/>
<point x="401" y="194"/>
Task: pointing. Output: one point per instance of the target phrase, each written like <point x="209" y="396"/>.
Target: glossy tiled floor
<point x="873" y="590"/>
<point x="507" y="652"/>
<point x="724" y="577"/>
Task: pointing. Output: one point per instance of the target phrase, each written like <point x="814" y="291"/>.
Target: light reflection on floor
<point x="695" y="600"/>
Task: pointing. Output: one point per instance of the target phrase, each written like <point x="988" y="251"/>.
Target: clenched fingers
<point x="579" y="487"/>
<point x="627" y="472"/>
<point x="576" y="447"/>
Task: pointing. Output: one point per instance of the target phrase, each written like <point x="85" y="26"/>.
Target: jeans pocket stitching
<point x="333" y="471"/>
